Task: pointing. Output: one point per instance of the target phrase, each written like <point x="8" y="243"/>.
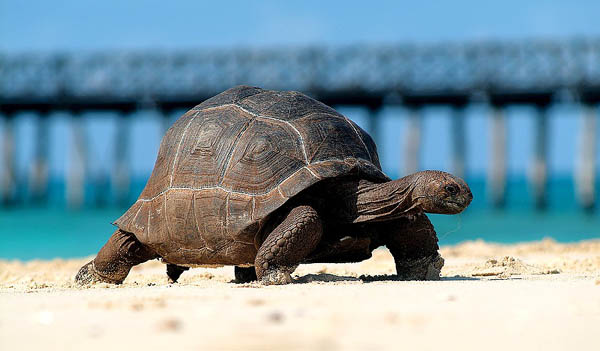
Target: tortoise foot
<point x="434" y="268"/>
<point x="425" y="268"/>
<point x="276" y="276"/>
<point x="245" y="274"/>
<point x="174" y="272"/>
<point x="88" y="275"/>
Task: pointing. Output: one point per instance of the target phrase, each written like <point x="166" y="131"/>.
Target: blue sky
<point x="92" y="25"/>
<point x="107" y="25"/>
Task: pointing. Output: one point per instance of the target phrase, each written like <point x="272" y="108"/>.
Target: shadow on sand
<point x="326" y="277"/>
<point x="332" y="278"/>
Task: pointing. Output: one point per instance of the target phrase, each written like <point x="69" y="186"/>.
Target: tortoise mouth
<point x="455" y="205"/>
<point x="461" y="200"/>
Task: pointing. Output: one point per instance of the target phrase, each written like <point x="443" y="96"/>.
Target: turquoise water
<point x="47" y="233"/>
<point x="28" y="233"/>
<point x="53" y="231"/>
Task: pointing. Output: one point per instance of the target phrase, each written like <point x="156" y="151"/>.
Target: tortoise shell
<point x="229" y="162"/>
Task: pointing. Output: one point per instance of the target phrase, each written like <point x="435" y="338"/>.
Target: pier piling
<point x="585" y="177"/>
<point x="412" y="141"/>
<point x="38" y="178"/>
<point x="459" y="148"/>
<point x="539" y="167"/>
<point x="120" y="172"/>
<point x="75" y="189"/>
<point x="373" y="123"/>
<point x="8" y="187"/>
<point x="496" y="181"/>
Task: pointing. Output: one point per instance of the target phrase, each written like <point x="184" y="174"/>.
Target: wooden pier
<point x="504" y="74"/>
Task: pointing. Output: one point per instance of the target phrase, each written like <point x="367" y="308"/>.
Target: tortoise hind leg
<point x="174" y="272"/>
<point x="287" y="245"/>
<point x="245" y="274"/>
<point x="114" y="261"/>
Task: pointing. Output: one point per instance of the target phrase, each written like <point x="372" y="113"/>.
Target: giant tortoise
<point x="265" y="180"/>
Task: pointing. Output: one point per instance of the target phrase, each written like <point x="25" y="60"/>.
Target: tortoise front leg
<point x="174" y="272"/>
<point x="287" y="245"/>
<point x="414" y="245"/>
<point x="114" y="261"/>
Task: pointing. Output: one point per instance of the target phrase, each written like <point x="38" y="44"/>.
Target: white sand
<point x="532" y="296"/>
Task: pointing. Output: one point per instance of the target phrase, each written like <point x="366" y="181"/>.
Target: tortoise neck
<point x="385" y="201"/>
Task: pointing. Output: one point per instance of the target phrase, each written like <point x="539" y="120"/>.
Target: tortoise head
<point x="440" y="192"/>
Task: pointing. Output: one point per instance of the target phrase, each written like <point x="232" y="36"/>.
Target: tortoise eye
<point x="452" y="189"/>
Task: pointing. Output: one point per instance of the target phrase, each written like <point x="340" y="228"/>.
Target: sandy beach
<point x="540" y="295"/>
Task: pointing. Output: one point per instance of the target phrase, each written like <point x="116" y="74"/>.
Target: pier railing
<point x="500" y="74"/>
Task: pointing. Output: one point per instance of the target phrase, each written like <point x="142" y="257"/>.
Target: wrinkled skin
<point x="440" y="192"/>
<point x="426" y="191"/>
<point x="361" y="216"/>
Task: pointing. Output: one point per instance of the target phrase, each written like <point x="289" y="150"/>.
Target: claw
<point x="88" y="275"/>
<point x="276" y="277"/>
<point x="425" y="268"/>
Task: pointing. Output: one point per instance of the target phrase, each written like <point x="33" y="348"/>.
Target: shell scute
<point x="268" y="153"/>
<point x="286" y="106"/>
<point x="206" y="146"/>
<point x="326" y="137"/>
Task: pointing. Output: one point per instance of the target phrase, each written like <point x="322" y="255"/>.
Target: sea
<point x="53" y="230"/>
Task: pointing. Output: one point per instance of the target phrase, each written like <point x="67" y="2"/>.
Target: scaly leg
<point x="414" y="247"/>
<point x="112" y="264"/>
<point x="174" y="272"/>
<point x="287" y="245"/>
